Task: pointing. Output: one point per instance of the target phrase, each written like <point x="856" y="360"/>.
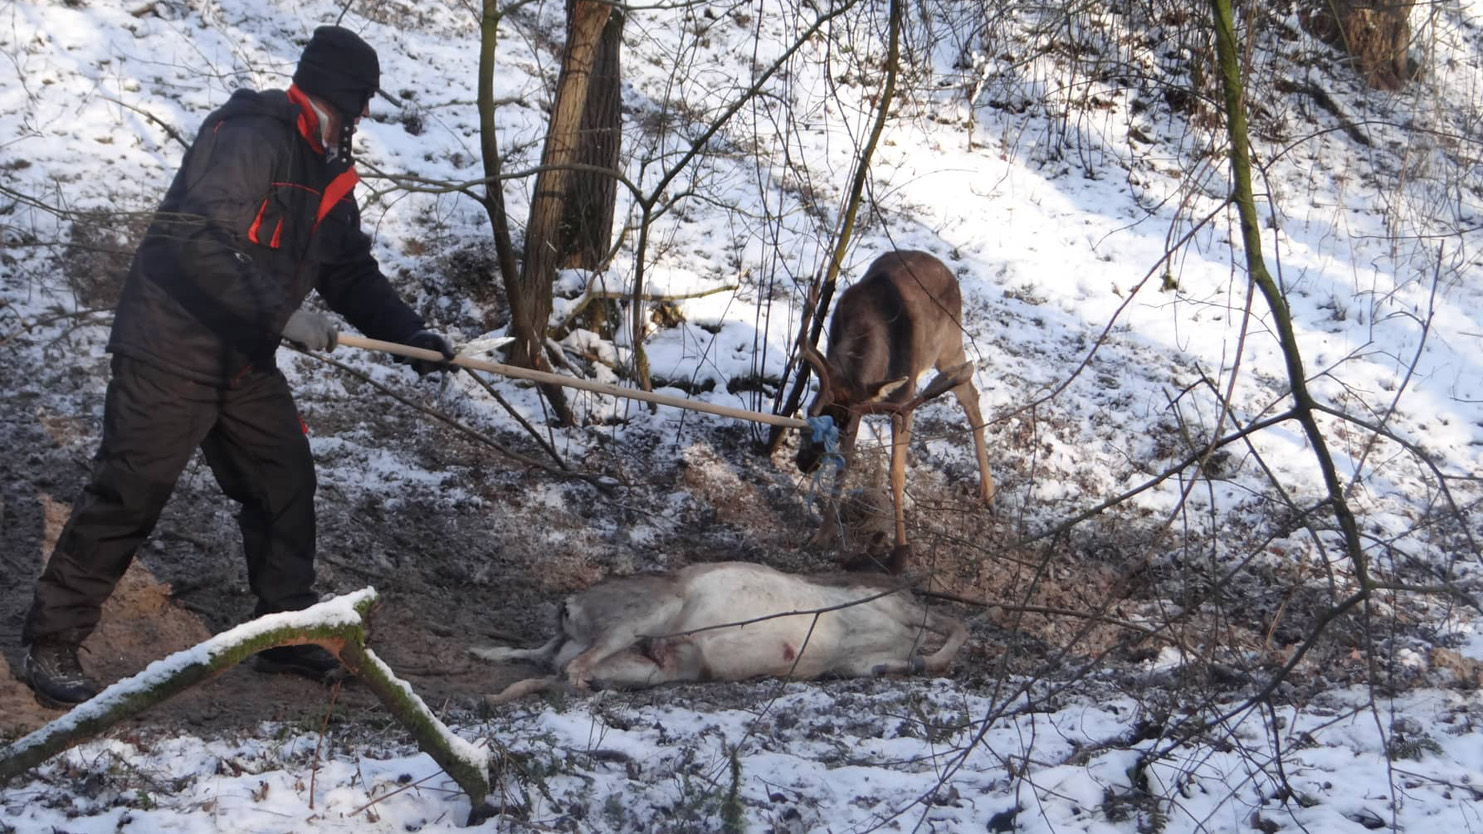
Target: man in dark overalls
<point x="260" y="213"/>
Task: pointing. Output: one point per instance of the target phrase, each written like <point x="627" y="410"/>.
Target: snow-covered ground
<point x="852" y="757"/>
<point x="1104" y="304"/>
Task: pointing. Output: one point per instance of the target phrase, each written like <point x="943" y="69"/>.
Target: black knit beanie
<point x="340" y="68"/>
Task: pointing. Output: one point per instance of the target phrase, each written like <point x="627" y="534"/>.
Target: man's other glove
<point x="427" y="340"/>
<point x="311" y="331"/>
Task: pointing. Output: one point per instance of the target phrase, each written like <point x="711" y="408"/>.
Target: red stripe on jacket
<point x="308" y="119"/>
<point x="340" y="187"/>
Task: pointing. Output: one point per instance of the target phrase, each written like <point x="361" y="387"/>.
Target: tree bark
<point x="530" y="299"/>
<point x="1375" y="33"/>
<point x="587" y="223"/>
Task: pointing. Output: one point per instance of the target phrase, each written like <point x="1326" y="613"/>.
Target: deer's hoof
<point x="901" y="556"/>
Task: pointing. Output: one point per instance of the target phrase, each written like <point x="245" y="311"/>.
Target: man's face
<point x="333" y="124"/>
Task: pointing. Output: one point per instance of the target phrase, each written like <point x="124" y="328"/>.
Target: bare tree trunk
<point x="587" y="224"/>
<point x="494" y="195"/>
<point x="530" y="298"/>
<point x="1304" y="404"/>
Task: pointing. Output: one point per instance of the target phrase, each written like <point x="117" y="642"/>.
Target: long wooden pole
<point x="350" y="340"/>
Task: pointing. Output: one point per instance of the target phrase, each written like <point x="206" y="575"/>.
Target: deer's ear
<point x="946" y="381"/>
<point x="879" y="391"/>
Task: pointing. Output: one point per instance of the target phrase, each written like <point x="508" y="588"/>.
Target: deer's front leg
<point x="900" y="439"/>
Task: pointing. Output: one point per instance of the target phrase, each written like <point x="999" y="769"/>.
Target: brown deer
<point x="733" y="621"/>
<point x="902" y="318"/>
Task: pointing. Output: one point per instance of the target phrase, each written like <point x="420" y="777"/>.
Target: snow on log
<point x="339" y="625"/>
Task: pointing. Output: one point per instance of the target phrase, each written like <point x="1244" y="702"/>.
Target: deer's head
<point x="843" y="400"/>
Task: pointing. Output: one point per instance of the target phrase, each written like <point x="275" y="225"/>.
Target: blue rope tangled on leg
<point x="825" y="432"/>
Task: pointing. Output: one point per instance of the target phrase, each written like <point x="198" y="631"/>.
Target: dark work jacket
<point x="253" y="221"/>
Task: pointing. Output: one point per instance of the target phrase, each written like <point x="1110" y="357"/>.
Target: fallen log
<point x="339" y="625"/>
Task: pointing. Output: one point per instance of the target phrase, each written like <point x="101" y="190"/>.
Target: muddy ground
<point x="491" y="563"/>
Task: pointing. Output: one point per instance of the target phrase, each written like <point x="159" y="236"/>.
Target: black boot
<point x="56" y="676"/>
<point x="310" y="661"/>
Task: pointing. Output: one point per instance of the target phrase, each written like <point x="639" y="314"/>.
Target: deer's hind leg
<point x="628" y="669"/>
<point x="650" y="663"/>
<point x="955" y="634"/>
<point x="967" y="396"/>
<point x="520" y="689"/>
<point x="614" y="633"/>
<point x="879" y="664"/>
<point x="502" y="654"/>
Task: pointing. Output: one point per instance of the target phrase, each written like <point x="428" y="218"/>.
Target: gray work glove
<point x="428" y="340"/>
<point x="311" y="331"/>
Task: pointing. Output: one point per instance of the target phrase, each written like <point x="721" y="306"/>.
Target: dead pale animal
<point x="903" y="317"/>
<point x="732" y="621"/>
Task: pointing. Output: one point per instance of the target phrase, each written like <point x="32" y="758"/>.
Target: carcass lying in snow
<point x="733" y="621"/>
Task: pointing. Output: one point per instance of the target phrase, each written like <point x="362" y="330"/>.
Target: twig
<point x="1420" y="455"/>
<point x="597" y="482"/>
<point x="1195" y="726"/>
<point x="520" y="418"/>
<point x="318" y="745"/>
<point x="389" y="794"/>
<point x="173" y="133"/>
<point x="1305" y="404"/>
<point x="661" y="189"/>
<point x="344" y="635"/>
<point x="585" y="300"/>
<point x="1422" y="346"/>
<point x="25" y="328"/>
<point x="1188" y="461"/>
<point x="815" y="612"/>
<point x="823" y="287"/>
<point x="1051" y="611"/>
